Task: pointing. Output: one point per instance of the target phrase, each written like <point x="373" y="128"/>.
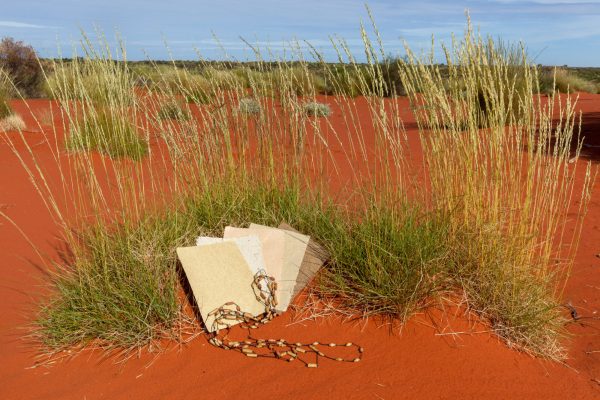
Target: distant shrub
<point x="5" y="109"/>
<point x="223" y="79"/>
<point x="390" y="74"/>
<point x="565" y="81"/>
<point x="249" y="106"/>
<point x="174" y="111"/>
<point x="317" y="109"/>
<point x="21" y="63"/>
<point x="348" y="80"/>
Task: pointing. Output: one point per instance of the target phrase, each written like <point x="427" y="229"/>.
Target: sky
<point x="555" y="32"/>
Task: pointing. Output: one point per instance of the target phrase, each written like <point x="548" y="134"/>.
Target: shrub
<point x="565" y="81"/>
<point x="390" y="71"/>
<point x="21" y="63"/>
<point x="317" y="109"/>
<point x="249" y="106"/>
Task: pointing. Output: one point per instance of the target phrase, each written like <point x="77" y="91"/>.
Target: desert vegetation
<point x="565" y="81"/>
<point x="160" y="154"/>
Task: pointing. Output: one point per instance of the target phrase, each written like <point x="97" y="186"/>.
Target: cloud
<point x="17" y="24"/>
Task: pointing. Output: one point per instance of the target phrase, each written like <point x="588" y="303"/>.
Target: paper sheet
<point x="217" y="274"/>
<point x="313" y="260"/>
<point x="249" y="246"/>
<point x="294" y="249"/>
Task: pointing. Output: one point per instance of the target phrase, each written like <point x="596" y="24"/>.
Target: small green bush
<point x="317" y="109"/>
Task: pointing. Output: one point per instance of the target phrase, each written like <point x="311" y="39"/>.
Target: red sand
<point x="415" y="363"/>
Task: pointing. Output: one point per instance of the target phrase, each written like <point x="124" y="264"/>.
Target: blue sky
<point x="557" y="32"/>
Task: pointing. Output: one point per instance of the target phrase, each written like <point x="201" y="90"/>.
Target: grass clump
<point x="109" y="133"/>
<point x="249" y="106"/>
<point x="121" y="290"/>
<point x="317" y="109"/>
<point x="387" y="263"/>
<point x="122" y="287"/>
<point x="506" y="188"/>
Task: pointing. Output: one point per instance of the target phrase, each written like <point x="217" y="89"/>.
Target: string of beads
<point x="265" y="289"/>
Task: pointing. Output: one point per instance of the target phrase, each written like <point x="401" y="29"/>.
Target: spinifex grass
<point x="108" y="133"/>
<point x="507" y="188"/>
<point x="493" y="222"/>
<point x="100" y="105"/>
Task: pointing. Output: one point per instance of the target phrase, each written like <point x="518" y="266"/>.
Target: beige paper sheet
<point x="314" y="258"/>
<point x="249" y="246"/>
<point x="217" y="274"/>
<point x="272" y="243"/>
<point x="294" y="250"/>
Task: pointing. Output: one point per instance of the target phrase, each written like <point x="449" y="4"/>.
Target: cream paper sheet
<point x="295" y="245"/>
<point x="217" y="274"/>
<point x="273" y="246"/>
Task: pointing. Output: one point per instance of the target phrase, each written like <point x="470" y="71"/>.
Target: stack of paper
<point x="222" y="270"/>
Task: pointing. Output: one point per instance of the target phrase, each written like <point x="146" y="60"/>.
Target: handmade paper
<point x="249" y="246"/>
<point x="313" y="260"/>
<point x="272" y="244"/>
<point x="218" y="274"/>
<point x="295" y="245"/>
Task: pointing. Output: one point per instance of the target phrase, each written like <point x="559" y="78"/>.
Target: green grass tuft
<point x="109" y="134"/>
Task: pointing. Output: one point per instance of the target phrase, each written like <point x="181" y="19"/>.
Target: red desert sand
<point x="436" y="355"/>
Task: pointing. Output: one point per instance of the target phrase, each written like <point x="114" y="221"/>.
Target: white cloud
<point x="17" y="24"/>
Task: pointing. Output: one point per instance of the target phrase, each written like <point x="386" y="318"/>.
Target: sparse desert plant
<point x="192" y="86"/>
<point x="173" y="110"/>
<point x="249" y="106"/>
<point x="12" y="122"/>
<point x="317" y="109"/>
<point x="22" y="65"/>
<point x="565" y="81"/>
